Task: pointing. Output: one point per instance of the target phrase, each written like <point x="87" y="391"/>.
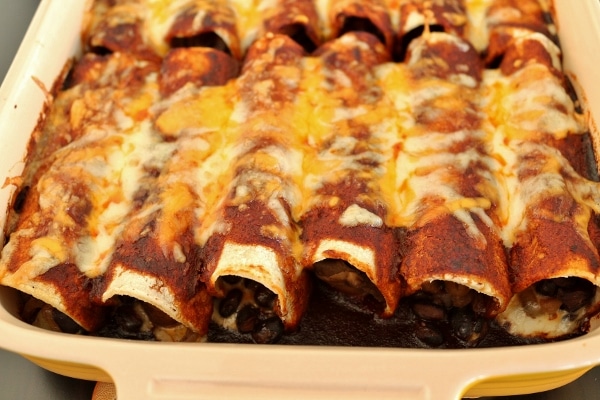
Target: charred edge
<point x="573" y="95"/>
<point x="548" y="20"/>
<point x="205" y="39"/>
<point x="408" y="37"/>
<point x="20" y="199"/>
<point x="590" y="159"/>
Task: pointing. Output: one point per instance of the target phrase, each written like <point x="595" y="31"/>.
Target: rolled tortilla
<point x="553" y="261"/>
<point x="358" y="16"/>
<point x="157" y="256"/>
<point x="416" y="16"/>
<point x="297" y="19"/>
<point x="204" y="23"/>
<point x="251" y="234"/>
<point x="505" y="17"/>
<point x="199" y="66"/>
<point x="78" y="198"/>
<point x="454" y="259"/>
<point x="119" y="27"/>
<point x="346" y="240"/>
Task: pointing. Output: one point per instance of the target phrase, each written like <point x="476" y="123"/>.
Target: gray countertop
<point x="21" y="379"/>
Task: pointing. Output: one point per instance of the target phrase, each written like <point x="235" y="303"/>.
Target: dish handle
<point x="285" y="378"/>
<point x="178" y="389"/>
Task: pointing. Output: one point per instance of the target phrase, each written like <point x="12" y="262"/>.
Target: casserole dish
<point x="159" y="370"/>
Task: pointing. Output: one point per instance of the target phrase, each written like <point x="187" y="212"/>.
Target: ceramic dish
<point x="167" y="370"/>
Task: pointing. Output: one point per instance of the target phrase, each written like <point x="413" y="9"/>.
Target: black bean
<point x="462" y="322"/>
<point x="31" y="308"/>
<point x="247" y="318"/>
<point x="460" y="295"/>
<point x="422" y="295"/>
<point x="158" y="317"/>
<point x="480" y="304"/>
<point x="546" y="287"/>
<point x="468" y="326"/>
<point x="264" y="297"/>
<point x="428" y="311"/>
<point x="433" y="286"/>
<point x="252" y="285"/>
<point x="565" y="283"/>
<point x="229" y="305"/>
<point x="268" y="331"/>
<point x="480" y="326"/>
<point x="530" y="302"/>
<point x="429" y="335"/>
<point x="456" y="289"/>
<point x="45" y="319"/>
<point x="127" y="319"/>
<point x="64" y="322"/>
<point x="231" y="279"/>
<point x="573" y="301"/>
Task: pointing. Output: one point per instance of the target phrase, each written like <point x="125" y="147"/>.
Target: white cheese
<point x="356" y="215"/>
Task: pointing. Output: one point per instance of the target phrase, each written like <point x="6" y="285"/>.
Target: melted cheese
<point x="413" y="166"/>
<point x="355" y="215"/>
<point x="477" y="28"/>
<point x="195" y="178"/>
<point x="521" y="113"/>
<point x="208" y="146"/>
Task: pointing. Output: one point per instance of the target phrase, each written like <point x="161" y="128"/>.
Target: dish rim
<point x="364" y="367"/>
